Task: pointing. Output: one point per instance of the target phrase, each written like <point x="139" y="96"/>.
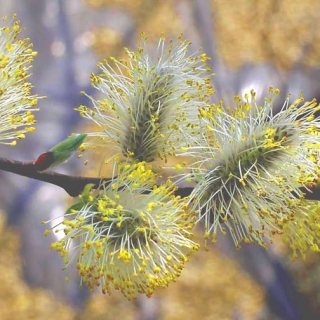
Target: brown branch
<point x="74" y="185"/>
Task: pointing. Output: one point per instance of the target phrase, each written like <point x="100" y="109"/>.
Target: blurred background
<point x="253" y="44"/>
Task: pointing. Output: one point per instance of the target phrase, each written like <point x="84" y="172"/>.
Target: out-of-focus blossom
<point x="16" y="101"/>
<point x="132" y="235"/>
<point x="148" y="100"/>
<point x="17" y="299"/>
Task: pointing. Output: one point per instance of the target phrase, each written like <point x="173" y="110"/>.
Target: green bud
<point x="84" y="199"/>
<point x="60" y="152"/>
